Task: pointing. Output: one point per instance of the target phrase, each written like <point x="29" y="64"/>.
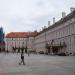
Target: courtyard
<point x="36" y="64"/>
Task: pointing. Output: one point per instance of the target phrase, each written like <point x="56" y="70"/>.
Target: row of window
<point x="68" y="40"/>
<point x="64" y="31"/>
<point x="14" y="39"/>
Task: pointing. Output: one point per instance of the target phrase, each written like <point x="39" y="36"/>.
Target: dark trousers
<point x="22" y="61"/>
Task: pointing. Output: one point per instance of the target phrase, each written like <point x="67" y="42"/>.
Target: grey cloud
<point x="25" y="15"/>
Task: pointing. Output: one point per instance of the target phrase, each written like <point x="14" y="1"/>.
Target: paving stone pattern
<point x="37" y="65"/>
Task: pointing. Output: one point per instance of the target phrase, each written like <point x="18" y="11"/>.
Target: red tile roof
<point x="20" y="34"/>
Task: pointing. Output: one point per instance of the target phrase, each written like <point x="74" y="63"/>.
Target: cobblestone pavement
<point x="37" y="65"/>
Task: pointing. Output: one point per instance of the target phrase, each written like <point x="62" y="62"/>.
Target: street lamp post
<point x="26" y="45"/>
<point x="23" y="47"/>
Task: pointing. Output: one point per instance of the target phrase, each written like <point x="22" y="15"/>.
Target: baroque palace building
<point x="17" y="41"/>
<point x="57" y="38"/>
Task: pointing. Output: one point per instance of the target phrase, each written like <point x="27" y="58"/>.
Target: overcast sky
<point x="29" y="15"/>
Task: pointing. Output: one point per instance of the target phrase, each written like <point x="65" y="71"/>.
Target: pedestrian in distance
<point x="28" y="53"/>
<point x="22" y="59"/>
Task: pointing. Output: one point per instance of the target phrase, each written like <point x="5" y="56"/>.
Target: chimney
<point x="48" y="23"/>
<point x="53" y="20"/>
<point x="44" y="27"/>
<point x="63" y="14"/>
<point x="72" y="9"/>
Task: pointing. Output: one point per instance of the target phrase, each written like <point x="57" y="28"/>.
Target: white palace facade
<point x="16" y="41"/>
<point x="57" y="38"/>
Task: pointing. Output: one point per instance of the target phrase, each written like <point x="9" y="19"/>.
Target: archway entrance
<point x="53" y="48"/>
<point x="19" y="49"/>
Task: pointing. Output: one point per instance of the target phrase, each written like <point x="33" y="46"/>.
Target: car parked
<point x="61" y="54"/>
<point x="41" y="52"/>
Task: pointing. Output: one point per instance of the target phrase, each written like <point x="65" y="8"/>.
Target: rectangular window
<point x="74" y="39"/>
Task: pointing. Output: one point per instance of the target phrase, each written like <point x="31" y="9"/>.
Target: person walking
<point x="22" y="59"/>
